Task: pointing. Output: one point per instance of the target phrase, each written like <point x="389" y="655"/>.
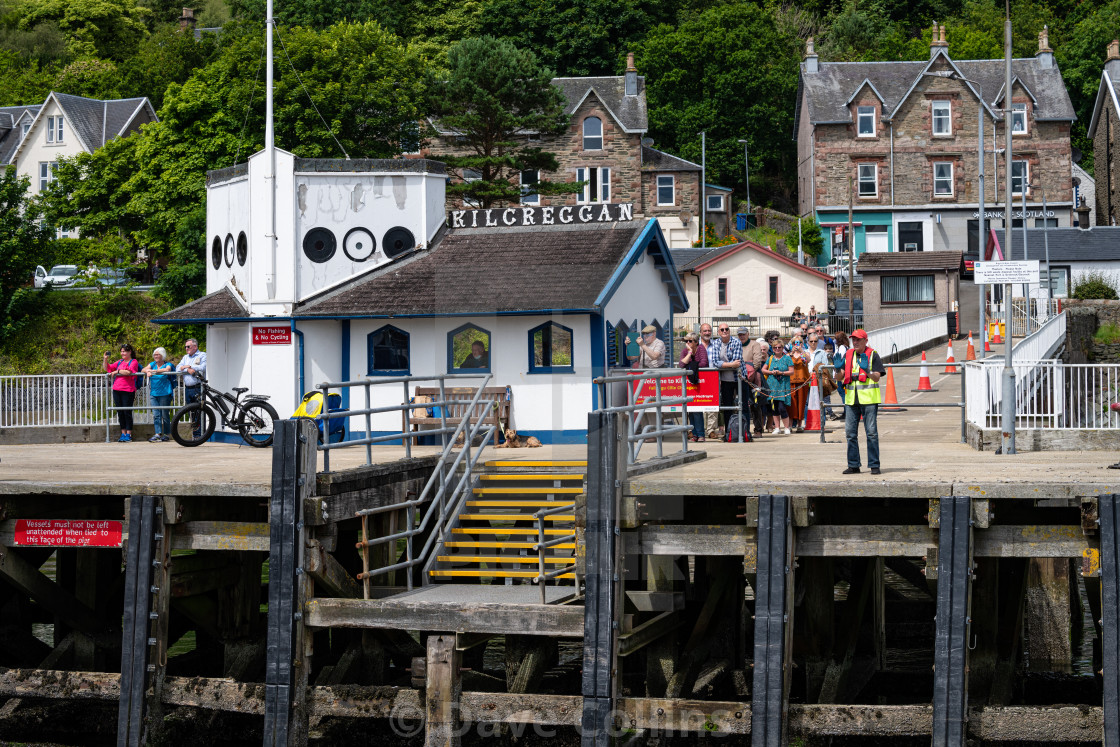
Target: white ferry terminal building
<point x="370" y="278"/>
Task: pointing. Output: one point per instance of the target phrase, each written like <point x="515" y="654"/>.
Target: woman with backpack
<point x="124" y="374"/>
<point x="161" y="391"/>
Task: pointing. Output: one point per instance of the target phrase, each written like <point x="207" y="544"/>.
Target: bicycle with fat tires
<point x="252" y="417"/>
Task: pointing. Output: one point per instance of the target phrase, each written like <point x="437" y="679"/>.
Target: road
<point x="970" y="310"/>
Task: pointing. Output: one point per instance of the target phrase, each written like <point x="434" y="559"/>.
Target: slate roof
<point x="221" y="304"/>
<point x="655" y="160"/>
<point x="1106" y="92"/>
<point x="97" y="121"/>
<point x="9" y="132"/>
<point x="881" y="262"/>
<point x="1098" y="244"/>
<point x="629" y="111"/>
<point x="829" y="90"/>
<point x="521" y="269"/>
<point x="690" y="259"/>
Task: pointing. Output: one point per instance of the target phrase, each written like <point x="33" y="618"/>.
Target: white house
<point x="1074" y="252"/>
<point x="748" y="278"/>
<point x="15" y="121"/>
<point x="371" y="280"/>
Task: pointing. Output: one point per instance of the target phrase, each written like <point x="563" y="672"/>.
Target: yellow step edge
<point x="536" y="463"/>
<point x="541" y="503"/>
<point x="535" y="476"/>
<point x="528" y="491"/>
<point x="515" y="560"/>
<point x="492" y="574"/>
<point x="514" y="517"/>
<point x="506" y="530"/>
<point x="507" y="545"/>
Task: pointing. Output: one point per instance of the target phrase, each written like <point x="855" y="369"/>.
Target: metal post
<point x="660" y="417"/>
<point x="981" y="241"/>
<point x="1109" y="624"/>
<point x="1046" y="243"/>
<point x="1026" y="286"/>
<point x="369" y="427"/>
<point x="684" y="411"/>
<point x="703" y="190"/>
<point x="851" y="259"/>
<point x="820" y="396"/>
<point x="747" y="169"/>
<point x="954" y="590"/>
<point x="770" y="692"/>
<point x="1007" y="410"/>
<point x="407" y="424"/>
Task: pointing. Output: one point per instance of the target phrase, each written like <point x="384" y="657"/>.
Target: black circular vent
<point x="229" y="250"/>
<point x="216" y="252"/>
<point x="359" y="244"/>
<point x="319" y="244"/>
<point x="242" y="248"/>
<point x="397" y="241"/>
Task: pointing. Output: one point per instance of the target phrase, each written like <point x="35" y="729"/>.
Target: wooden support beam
<point x="329" y="573"/>
<point x="565" y="621"/>
<point x="835" y="687"/>
<point x="813" y="634"/>
<point x="443" y="691"/>
<point x="161" y="626"/>
<point x="1009" y="637"/>
<point x="29" y="580"/>
<point x="648" y="632"/>
<point x="222" y="535"/>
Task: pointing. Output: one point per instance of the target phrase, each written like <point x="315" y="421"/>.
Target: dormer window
<point x="866" y="121"/>
<point x="942" y="118"/>
<point x="592" y="133"/>
<point x="23" y="130"/>
<point x="1018" y="119"/>
<point x="54" y="129"/>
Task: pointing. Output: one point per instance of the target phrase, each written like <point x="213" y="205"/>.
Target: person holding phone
<point x="862" y="369"/>
<point x="124" y="373"/>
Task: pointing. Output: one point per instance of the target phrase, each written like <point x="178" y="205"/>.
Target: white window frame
<point x="723" y="286"/>
<point x="528" y="195"/>
<point x="24" y="129"/>
<point x="467" y="177"/>
<point x="591" y="138"/>
<point x="1026" y="179"/>
<point x="718" y="206"/>
<point x="863" y="112"/>
<point x="874" y="180"/>
<point x="597" y="184"/>
<point x="1018" y="119"/>
<point x="948" y="178"/>
<point x="776" y="281"/>
<point x="46" y="174"/>
<point x="946" y="117"/>
<point x="670" y="184"/>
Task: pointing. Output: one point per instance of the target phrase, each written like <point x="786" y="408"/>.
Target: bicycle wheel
<point x="256" y="423"/>
<point x="193" y="425"/>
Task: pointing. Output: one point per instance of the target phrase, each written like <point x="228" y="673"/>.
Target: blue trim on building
<point x="535" y="369"/>
<point x="597" y="324"/>
<point x="451" y="367"/>
<point x="299" y="352"/>
<point x="345" y="365"/>
<point x="370" y="371"/>
<point x="659" y="250"/>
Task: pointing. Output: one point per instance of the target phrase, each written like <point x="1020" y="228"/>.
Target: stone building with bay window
<point x="899" y="142"/>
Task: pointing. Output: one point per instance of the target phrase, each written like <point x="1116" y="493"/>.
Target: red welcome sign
<point x="272" y="335"/>
<point x="705" y="394"/>
<point x="68" y="533"/>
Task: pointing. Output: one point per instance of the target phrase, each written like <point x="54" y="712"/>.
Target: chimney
<point x="187" y="21"/>
<point x="1112" y="64"/>
<point x="937" y="41"/>
<point x="631" y="76"/>
<point x="1045" y="55"/>
<point x="812" y="62"/>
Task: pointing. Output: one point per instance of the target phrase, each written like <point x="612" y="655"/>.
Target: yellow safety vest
<point x="868" y="391"/>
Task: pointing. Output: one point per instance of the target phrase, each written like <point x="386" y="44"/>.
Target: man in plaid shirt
<point x="726" y="354"/>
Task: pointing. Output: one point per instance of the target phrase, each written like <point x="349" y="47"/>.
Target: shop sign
<point x="68" y="533"/>
<point x="272" y="335"/>
<point x="706" y="393"/>
<point x="1015" y="214"/>
<point x="542" y="216"/>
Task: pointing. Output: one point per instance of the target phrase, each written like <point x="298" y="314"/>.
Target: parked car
<point x="837" y="269"/>
<point x="838" y="315"/>
<point x="104" y="276"/>
<point x="59" y="276"/>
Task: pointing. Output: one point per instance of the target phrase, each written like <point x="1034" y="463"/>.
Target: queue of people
<point x="160" y="375"/>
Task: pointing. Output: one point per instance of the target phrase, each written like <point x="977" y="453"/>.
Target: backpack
<point x="734" y="425"/>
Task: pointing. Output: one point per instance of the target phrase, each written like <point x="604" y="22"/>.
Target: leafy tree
<point x="43" y="42"/>
<point x="24" y="243"/>
<point x="97" y="79"/>
<point x="25" y="81"/>
<point x="812" y="240"/>
<point x="492" y="94"/>
<point x="109" y="29"/>
<point x="185" y="276"/>
<point x="167" y="56"/>
<point x="731" y="72"/>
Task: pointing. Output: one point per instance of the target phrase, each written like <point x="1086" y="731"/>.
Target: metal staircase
<point x="518" y="523"/>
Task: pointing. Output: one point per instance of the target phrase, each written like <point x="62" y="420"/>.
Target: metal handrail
<point x="657" y="432"/>
<point x="541" y="545"/>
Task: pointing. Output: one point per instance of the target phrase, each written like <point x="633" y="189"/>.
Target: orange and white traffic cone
<point x="813" y="414"/>
<point x="950" y="360"/>
<point x="987" y="345"/>
<point x="924" y="384"/>
<point x="996" y="338"/>
<point x="890" y="398"/>
<point x="970" y="351"/>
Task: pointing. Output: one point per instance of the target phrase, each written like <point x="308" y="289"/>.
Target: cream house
<point x="65" y="126"/>
<point x="747" y="278"/>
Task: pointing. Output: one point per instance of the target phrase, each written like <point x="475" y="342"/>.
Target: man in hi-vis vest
<point x="862" y="369"/>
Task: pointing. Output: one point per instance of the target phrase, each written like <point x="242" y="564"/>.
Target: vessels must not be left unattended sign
<point x="1006" y="271"/>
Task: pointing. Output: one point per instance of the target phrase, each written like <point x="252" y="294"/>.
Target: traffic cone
<point x="813" y="414"/>
<point x="890" y="397"/>
<point x="970" y="351"/>
<point x="987" y="345"/>
<point x="924" y="384"/>
<point x="996" y="339"/>
<point x="950" y="360"/>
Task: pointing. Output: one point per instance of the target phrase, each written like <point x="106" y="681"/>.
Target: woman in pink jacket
<point x="124" y="373"/>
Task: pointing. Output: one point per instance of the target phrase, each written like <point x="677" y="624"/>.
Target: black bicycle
<point x="252" y="417"/>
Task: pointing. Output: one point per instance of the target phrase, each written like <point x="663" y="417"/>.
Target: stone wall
<point x="1107" y="167"/>
<point x="1083" y="319"/>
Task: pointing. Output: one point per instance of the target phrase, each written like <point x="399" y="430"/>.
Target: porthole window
<point x="216" y="253"/>
<point x="242" y="248"/>
<point x="229" y="250"/>
<point x="468" y="350"/>
<point x="359" y="244"/>
<point x="397" y="241"/>
<point x="319" y="244"/>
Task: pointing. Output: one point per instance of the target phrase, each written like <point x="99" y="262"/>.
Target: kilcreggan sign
<point x="526" y="215"/>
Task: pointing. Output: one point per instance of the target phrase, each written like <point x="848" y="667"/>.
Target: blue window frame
<point x="550" y="349"/>
<point x="462" y="346"/>
<point x="387" y="352"/>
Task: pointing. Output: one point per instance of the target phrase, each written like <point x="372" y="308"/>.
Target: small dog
<point x="514" y="441"/>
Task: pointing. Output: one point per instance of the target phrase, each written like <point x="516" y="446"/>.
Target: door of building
<point x="910" y="236"/>
<point x="876" y="238"/>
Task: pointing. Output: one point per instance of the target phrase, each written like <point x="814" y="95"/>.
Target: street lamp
<point x="747" y="168"/>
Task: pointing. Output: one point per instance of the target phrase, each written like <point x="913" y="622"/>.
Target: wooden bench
<point x="459" y="398"/>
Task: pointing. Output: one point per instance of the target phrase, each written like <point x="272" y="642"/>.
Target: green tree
<point x="492" y="94"/>
<point x="96" y="79"/>
<point x="109" y="29"/>
<point x="25" y="242"/>
<point x="25" y="81"/>
<point x="731" y="72"/>
<point x="812" y="240"/>
<point x="167" y="56"/>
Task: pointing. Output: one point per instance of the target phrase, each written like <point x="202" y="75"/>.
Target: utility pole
<point x="981" y="241"/>
<point x="703" y="194"/>
<point x="1007" y="409"/>
<point x="851" y="259"/>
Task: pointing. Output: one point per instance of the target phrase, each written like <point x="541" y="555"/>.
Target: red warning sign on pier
<point x="68" y="532"/>
<point x="272" y="335"/>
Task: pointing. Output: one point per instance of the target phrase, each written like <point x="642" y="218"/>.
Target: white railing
<point x="1043" y="342"/>
<point x="54" y="400"/>
<point x="908" y="335"/>
<point x="1049" y="395"/>
<point x="1026" y="316"/>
